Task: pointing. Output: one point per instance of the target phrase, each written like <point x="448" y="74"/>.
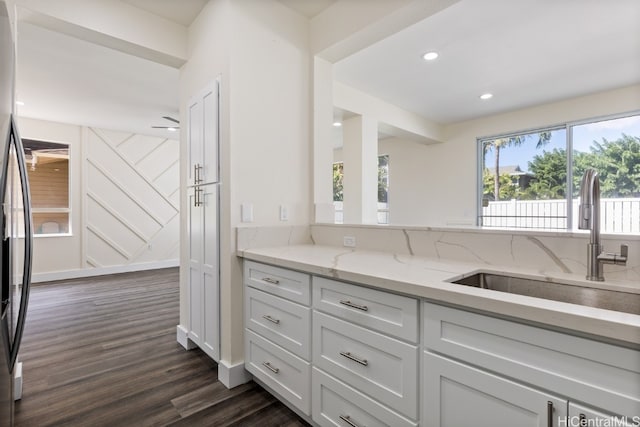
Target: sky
<point x="583" y="136"/>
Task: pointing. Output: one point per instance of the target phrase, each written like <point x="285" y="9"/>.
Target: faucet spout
<point x="589" y="219"/>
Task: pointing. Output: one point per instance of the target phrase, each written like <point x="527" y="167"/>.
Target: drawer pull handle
<point x="354" y="358"/>
<point x="271" y="368"/>
<point x="347" y="419"/>
<point x="352" y="305"/>
<point x="271" y="319"/>
<point x="549" y="413"/>
<point x="270" y="280"/>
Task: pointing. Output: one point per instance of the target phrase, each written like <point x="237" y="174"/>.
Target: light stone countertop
<point x="427" y="278"/>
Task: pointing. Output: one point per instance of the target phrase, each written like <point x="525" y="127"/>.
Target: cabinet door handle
<point x="271" y="319"/>
<point x="354" y="358"/>
<point x="549" y="413"/>
<point x="352" y="305"/>
<point x="196" y="174"/>
<point x="198" y="199"/>
<point x="270" y="280"/>
<point x="271" y="368"/>
<point x="347" y="419"/>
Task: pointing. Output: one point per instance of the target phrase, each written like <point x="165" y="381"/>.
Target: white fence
<point x="616" y="215"/>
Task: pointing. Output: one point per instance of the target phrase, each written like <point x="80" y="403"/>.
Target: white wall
<point x="435" y="185"/>
<point x="259" y="48"/>
<point x="450" y="168"/>
<point x="124" y="202"/>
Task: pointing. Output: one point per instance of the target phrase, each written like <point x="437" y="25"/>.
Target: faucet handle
<point x="624" y="251"/>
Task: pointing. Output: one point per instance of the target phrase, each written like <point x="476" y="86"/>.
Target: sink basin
<point x="592" y="297"/>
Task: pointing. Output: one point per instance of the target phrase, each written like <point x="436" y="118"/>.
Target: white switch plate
<point x="246" y="212"/>
<point x="349" y="241"/>
<point x="284" y="213"/>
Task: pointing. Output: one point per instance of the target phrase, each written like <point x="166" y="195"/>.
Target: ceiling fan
<point x="169" y="128"/>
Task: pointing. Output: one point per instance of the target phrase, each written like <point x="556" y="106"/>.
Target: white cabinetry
<point x="499" y="354"/>
<point x="278" y="331"/>
<point x="457" y="395"/>
<point x="202" y="136"/>
<point x="361" y="356"/>
<point x="202" y="233"/>
<point x="366" y="357"/>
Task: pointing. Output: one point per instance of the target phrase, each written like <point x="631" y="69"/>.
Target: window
<point x="532" y="179"/>
<point x="383" y="190"/>
<point x="48" y="171"/>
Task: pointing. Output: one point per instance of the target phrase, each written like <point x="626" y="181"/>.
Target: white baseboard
<point x="101" y="271"/>
<point x="182" y="336"/>
<point x="233" y="375"/>
<point x="17" y="382"/>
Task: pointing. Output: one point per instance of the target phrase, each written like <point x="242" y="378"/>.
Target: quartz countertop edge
<point x="427" y="278"/>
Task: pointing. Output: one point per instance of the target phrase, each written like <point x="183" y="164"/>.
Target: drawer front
<point x="284" y="322"/>
<point x="382" y="367"/>
<point x="278" y="281"/>
<point x="336" y="404"/>
<point x="582" y="369"/>
<point x="385" y="312"/>
<point x="285" y="373"/>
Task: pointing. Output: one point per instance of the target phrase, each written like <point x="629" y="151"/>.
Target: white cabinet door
<point x="210" y="271"/>
<point x="580" y="415"/>
<point x="202" y="136"/>
<point x="457" y="395"/>
<point x="195" y="267"/>
<point x="204" y="311"/>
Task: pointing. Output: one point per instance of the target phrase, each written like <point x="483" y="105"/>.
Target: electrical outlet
<point x="349" y="241"/>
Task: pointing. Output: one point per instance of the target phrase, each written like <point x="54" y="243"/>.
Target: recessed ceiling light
<point x="20" y="103"/>
<point x="172" y="129"/>
<point x="430" y="56"/>
<point x="337" y="124"/>
<point x="486" y="96"/>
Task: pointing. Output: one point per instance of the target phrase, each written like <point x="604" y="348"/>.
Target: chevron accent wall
<point x="131" y="199"/>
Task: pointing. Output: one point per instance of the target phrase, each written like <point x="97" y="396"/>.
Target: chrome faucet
<point x="589" y="219"/>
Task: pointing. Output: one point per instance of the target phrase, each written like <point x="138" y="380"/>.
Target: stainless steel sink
<point x="592" y="297"/>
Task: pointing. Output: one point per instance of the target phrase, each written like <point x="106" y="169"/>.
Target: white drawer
<point x="385" y="312"/>
<point x="284" y="322"/>
<point x="382" y="367"/>
<point x="576" y="367"/>
<point x="336" y="404"/>
<point x="278" y="281"/>
<point x="283" y="372"/>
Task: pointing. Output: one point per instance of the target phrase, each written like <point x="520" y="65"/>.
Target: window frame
<point x="568" y="126"/>
<point x="66" y="210"/>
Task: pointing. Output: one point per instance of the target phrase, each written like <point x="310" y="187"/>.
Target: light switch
<point x="246" y="212"/>
<point x="284" y="213"/>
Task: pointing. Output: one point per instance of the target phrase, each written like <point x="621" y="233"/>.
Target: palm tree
<point x="512" y="141"/>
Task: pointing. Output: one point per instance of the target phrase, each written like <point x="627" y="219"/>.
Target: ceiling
<point x="182" y="12"/>
<point x="524" y="52"/>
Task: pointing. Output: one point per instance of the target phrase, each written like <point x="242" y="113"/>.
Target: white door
<point x="202" y="136"/>
<point x="457" y="395"/>
<point x="195" y="238"/>
<point x="210" y="272"/>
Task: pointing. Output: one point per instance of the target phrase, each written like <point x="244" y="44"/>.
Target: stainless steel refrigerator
<point x="17" y="232"/>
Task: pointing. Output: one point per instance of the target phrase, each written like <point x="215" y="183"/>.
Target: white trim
<point x="101" y="271"/>
<point x="17" y="382"/>
<point x="182" y="336"/>
<point x="233" y="375"/>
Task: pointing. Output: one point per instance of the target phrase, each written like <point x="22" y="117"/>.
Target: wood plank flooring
<point x="102" y="352"/>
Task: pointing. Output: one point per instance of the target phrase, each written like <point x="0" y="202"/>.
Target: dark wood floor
<point x="103" y="352"/>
